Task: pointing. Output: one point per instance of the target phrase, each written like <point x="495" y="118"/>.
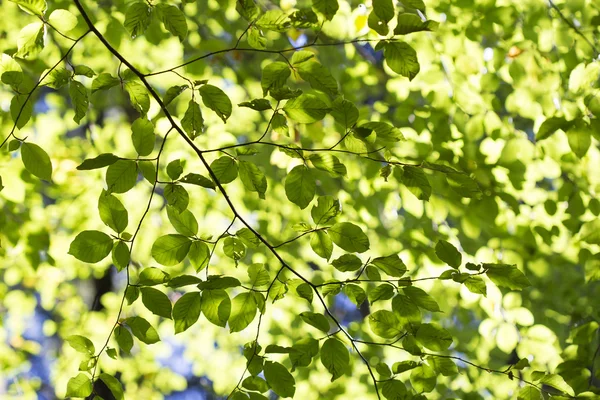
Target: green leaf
<point x="328" y="163"/>
<point x="79" y="386"/>
<point x="279" y="379"/>
<point x="234" y="248"/>
<point x="216" y="306"/>
<point x="177" y="197"/>
<point x="35" y="7"/>
<point x="285" y="93"/>
<point x="81" y="344"/>
<point x="274" y="76"/>
<point x="385" y="324"/>
<point x="318" y="77"/>
<point x="143" y="137"/>
<point x="173" y="19"/>
<point x="377" y="24"/>
<point x="279" y="125"/>
<point x="385" y="132"/>
<point x="402" y="59"/>
<point x="306" y="109"/>
<point x="557" y="382"/>
<point x="256" y="39"/>
<point x="326" y="210"/>
<point x="305" y="291"/>
<point x="253" y="178"/>
<point x="393" y="389"/>
<point x="580" y="138"/>
<point x="101" y="161"/>
<point x="79" y="98"/>
<point x="13" y="77"/>
<point x="225" y="169"/>
<point x="172" y="93"/>
<point x="112" y="212"/>
<point x="148" y="171"/>
<point x="183" y="280"/>
<point x="347" y="262"/>
<point x="91" y="246"/>
<point x="317" y="320"/>
<point x="300" y="186"/>
<point x="303" y="352"/>
<point x="198" y="180"/>
<point x="255" y="383"/>
<point x="257" y="104"/>
<point x="140" y="100"/>
<point x="444" y="366"/>
<point x="62" y="20"/>
<point x="121" y="176"/>
<point x="507" y="275"/>
<point x="551" y="125"/>
<point x="274" y="20"/>
<point x="113" y="384"/>
<point x="142" y="330"/>
<point x="391" y="265"/>
<point x="335" y="357"/>
<point x="184" y="222"/>
<point x="415" y="180"/>
<point x="417" y="4"/>
<point x="84" y="70"/>
<point x="187" y="311"/>
<point x="326" y="7"/>
<point x="434" y="338"/>
<point x="355" y="293"/>
<point x="476" y="285"/>
<point x="259" y="276"/>
<point x="403" y="366"/>
<point x="321" y="244"/>
<point x="171" y="249"/>
<point x="219" y="282"/>
<point x="243" y="311"/>
<point x="36" y="161"/>
<point x="175" y="169"/>
<point x="131" y="294"/>
<point x="344" y="112"/>
<point x="156" y="301"/>
<point x="463" y="185"/>
<point x="448" y="253"/>
<point x="384" y="9"/>
<point x="123" y="338"/>
<point x="31" y="40"/>
<point x="104" y="81"/>
<point x="406" y="309"/>
<point x="152" y="276"/>
<point x="56" y="78"/>
<point x="421" y="298"/>
<point x="21" y="109"/>
<point x="423" y="378"/>
<point x="247" y="9"/>
<point x="529" y="393"/>
<point x="304" y="18"/>
<point x="120" y="255"/>
<point x="349" y="237"/>
<point x="410" y="23"/>
<point x="137" y="18"/>
<point x="249" y="238"/>
<point x="215" y="99"/>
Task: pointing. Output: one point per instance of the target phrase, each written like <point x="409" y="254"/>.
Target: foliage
<point x="322" y="199"/>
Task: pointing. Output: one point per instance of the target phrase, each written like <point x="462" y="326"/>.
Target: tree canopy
<point x="309" y="199"/>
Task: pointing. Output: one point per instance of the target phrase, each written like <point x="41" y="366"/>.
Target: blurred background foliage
<point x="507" y="93"/>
